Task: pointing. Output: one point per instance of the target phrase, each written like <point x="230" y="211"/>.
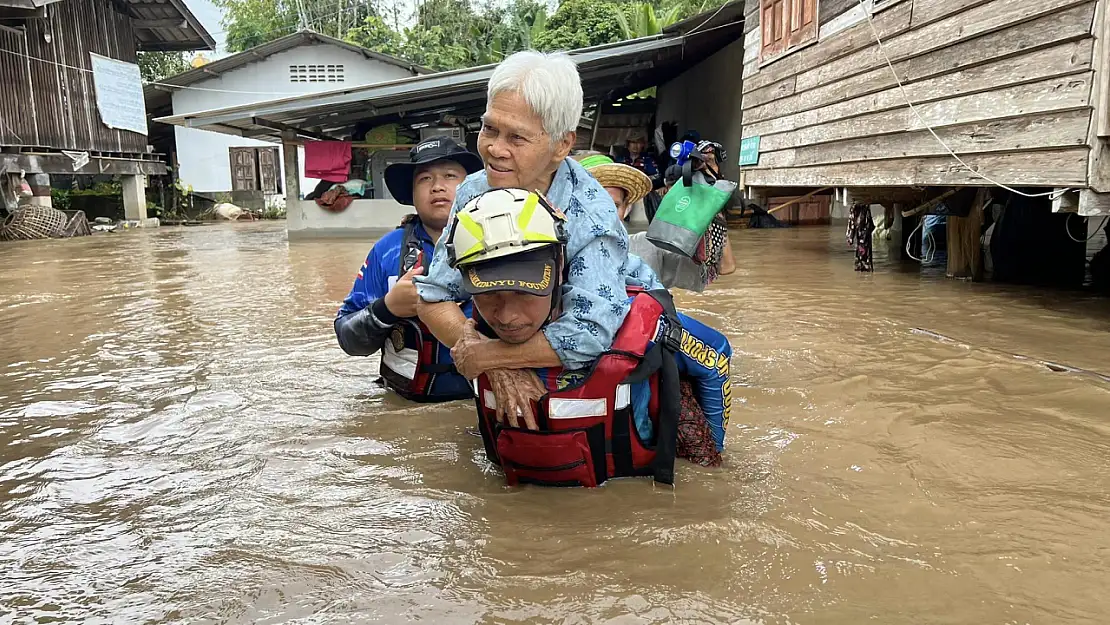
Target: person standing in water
<point x="628" y="185"/>
<point x="379" y="314"/>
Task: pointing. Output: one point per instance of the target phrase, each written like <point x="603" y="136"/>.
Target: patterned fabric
<point x="598" y="269"/>
<point x="860" y="227"/>
<point x="715" y="237"/>
<point x="695" y="440"/>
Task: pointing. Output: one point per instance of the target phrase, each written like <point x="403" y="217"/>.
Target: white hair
<point x="549" y="84"/>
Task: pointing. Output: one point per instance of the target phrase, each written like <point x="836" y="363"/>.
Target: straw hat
<point x="635" y="183"/>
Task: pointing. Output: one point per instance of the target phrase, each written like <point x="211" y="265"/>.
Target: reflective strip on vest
<point x="489" y="400"/>
<point x="402" y="363"/>
<point x="624" y="397"/>
<point x="576" y="408"/>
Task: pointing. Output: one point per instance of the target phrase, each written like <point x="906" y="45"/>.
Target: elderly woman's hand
<point x="515" y="390"/>
<point x="471" y="352"/>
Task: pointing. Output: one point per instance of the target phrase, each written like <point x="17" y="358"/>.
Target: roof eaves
<point x="423" y="84"/>
<point x="194" y="24"/>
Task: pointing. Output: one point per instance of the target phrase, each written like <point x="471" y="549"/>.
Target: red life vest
<point x="587" y="432"/>
<point x="411" y="357"/>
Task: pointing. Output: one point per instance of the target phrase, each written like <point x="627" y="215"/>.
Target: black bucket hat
<point x="398" y="176"/>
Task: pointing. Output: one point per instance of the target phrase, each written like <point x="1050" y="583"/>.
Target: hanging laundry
<point x="860" y="227"/>
<point x="327" y="160"/>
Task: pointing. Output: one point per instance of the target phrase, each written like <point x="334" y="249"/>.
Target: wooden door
<point x="803" y="21"/>
<point x="244" y="169"/>
<point x="785" y="24"/>
<point x="268" y="172"/>
<point x="774" y="16"/>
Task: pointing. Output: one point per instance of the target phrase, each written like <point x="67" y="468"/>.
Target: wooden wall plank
<point x="1048" y="130"/>
<point x="927" y="12"/>
<point x="1067" y="25"/>
<point x="751" y="16"/>
<point x="1047" y="63"/>
<point x="776" y="91"/>
<point x="1054" y="94"/>
<point x="980" y="20"/>
<point x="1099" y="135"/>
<point x="893" y="20"/>
<point x="1066" y="167"/>
<point x="751" y="47"/>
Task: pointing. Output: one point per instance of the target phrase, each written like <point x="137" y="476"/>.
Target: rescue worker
<point x="380" y="311"/>
<point x="596" y="422"/>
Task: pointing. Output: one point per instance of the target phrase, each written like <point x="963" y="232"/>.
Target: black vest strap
<point x="661" y="358"/>
<point x="438" y="367"/>
<point x="410" y="246"/>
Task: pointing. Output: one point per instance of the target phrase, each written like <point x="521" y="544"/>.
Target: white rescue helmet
<point x="503" y="222"/>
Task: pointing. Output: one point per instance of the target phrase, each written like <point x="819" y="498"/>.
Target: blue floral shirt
<point x="594" y="300"/>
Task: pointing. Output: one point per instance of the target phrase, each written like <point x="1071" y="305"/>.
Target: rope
<point x="1067" y="228"/>
<point x="882" y="50"/>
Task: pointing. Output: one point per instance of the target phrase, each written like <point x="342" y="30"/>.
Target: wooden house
<point x="1018" y="89"/>
<point x="50" y="122"/>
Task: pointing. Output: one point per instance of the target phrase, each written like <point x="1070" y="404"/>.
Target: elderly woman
<point x="534" y="103"/>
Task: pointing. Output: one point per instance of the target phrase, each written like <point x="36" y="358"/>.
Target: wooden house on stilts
<point x="1018" y="90"/>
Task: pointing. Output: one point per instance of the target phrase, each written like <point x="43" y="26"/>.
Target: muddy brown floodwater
<point x="182" y="441"/>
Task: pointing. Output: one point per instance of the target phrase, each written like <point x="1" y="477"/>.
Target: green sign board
<point x="749" y="151"/>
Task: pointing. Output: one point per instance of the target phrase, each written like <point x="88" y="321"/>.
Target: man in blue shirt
<point x="380" y="311"/>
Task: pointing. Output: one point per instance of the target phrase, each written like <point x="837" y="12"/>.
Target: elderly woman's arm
<point x="440" y="290"/>
<point x="438" y="309"/>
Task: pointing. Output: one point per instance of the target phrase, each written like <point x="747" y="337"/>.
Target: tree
<point x="154" y="66"/>
<point x="251" y="23"/>
<point x="375" y="34"/>
<point x="640" y="20"/>
<point x="580" y="24"/>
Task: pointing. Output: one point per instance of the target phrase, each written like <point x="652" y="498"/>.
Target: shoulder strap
<point x="661" y="358"/>
<point x="410" y="246"/>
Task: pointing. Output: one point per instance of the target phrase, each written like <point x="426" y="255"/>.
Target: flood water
<point x="182" y="441"/>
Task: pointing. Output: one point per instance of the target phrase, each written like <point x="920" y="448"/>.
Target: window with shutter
<point x="785" y="24"/>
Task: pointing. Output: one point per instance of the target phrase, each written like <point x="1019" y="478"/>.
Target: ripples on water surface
<point x="181" y="441"/>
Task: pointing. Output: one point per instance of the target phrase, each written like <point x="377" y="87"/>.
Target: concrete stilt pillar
<point x="294" y="216"/>
<point x="134" y="197"/>
<point x="40" y="190"/>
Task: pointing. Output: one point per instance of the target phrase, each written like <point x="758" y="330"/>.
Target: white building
<point x="302" y="63"/>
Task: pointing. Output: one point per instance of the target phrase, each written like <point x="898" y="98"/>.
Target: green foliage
<point x="579" y="24"/>
<point x="454" y="34"/>
<point x="639" y="19"/>
<point x="374" y="34"/>
<point x="61" y="199"/>
<point x="100" y="188"/>
<point x="250" y="23"/>
<point x="154" y="66"/>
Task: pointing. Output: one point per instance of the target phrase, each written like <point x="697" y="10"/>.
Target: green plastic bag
<point x="685" y="213"/>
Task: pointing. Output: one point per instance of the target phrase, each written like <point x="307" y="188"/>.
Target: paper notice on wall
<point x="119" y="94"/>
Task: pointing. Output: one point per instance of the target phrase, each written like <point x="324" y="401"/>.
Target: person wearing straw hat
<point x="628" y="185"/>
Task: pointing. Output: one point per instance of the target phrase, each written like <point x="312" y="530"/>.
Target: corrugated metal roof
<point x="167" y="25"/>
<point x="608" y="72"/>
